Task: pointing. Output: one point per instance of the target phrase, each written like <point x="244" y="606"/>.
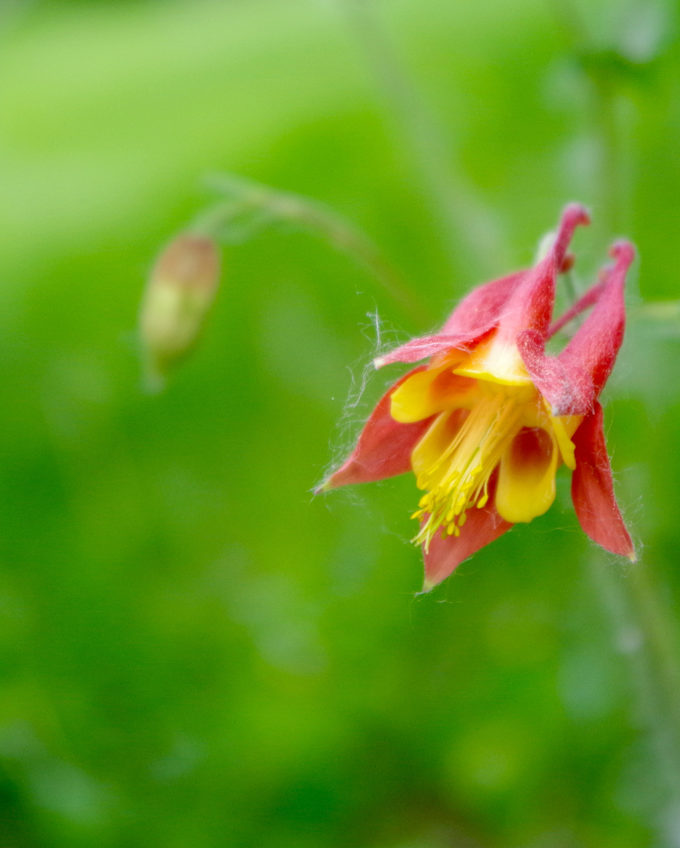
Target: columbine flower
<point x="486" y="422"/>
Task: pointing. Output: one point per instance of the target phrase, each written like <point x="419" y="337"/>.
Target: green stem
<point x="643" y="628"/>
<point x="249" y="206"/>
<point x="468" y="230"/>
<point x="643" y="633"/>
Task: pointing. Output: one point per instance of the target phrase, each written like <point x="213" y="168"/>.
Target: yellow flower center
<point x="455" y="459"/>
<point x="482" y="422"/>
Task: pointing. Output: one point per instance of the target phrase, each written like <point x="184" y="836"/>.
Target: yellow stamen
<point x="479" y="410"/>
<point x="457" y="474"/>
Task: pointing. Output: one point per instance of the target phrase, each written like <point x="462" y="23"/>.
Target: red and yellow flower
<point x="487" y="420"/>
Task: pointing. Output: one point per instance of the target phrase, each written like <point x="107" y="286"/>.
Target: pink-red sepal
<point x="592" y="488"/>
<point x="596" y="343"/>
<point x="510" y="304"/>
<point x="566" y="386"/>
<point x="572" y="381"/>
<point x="445" y="555"/>
<point x="425" y="347"/>
<point x="474" y="317"/>
<point x="383" y="448"/>
<point x="483" y="307"/>
<point x="531" y="304"/>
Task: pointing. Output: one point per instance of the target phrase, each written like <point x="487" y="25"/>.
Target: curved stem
<point x="643" y="633"/>
<point x="250" y="206"/>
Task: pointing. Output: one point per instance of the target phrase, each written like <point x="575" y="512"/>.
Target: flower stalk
<point x="248" y="206"/>
<point x="642" y="633"/>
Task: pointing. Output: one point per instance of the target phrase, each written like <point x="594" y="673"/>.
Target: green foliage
<point x="196" y="652"/>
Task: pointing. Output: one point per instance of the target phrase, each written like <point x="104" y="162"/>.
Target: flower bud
<point x="178" y="297"/>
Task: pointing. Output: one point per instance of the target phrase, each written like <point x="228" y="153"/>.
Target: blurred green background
<point x="194" y="651"/>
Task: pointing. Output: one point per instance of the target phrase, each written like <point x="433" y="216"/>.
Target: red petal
<point x="572" y="381"/>
<point x="474" y="316"/>
<point x="592" y="489"/>
<point x="519" y="301"/>
<point x="483" y="307"/>
<point x="383" y="448"/>
<point x="481" y="528"/>
<point x="567" y="387"/>
<point x="597" y="341"/>
<point x="425" y="347"/>
<point x="531" y="304"/>
<point x="573" y="215"/>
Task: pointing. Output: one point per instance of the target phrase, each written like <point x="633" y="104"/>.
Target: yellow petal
<point x="526" y="477"/>
<point x="496" y="361"/>
<point x="564" y="427"/>
<point x="427" y="455"/>
<point x="427" y="393"/>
